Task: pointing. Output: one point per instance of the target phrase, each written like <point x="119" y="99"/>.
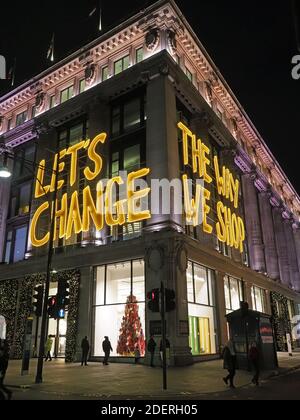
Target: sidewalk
<point x="134" y="381"/>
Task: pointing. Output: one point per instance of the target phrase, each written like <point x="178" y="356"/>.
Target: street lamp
<point x="5" y="173"/>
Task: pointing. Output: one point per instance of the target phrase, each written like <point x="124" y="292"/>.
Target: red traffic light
<point x="153" y="297"/>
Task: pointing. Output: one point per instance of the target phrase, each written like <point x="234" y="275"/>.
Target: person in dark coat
<point x="85" y="347"/>
<point x="151" y="348"/>
<point x="5" y="393"/>
<point x="254" y="359"/>
<point x="168" y="346"/>
<point x="107" y="349"/>
<point x="229" y="357"/>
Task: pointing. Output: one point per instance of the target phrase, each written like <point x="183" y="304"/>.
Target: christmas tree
<point x="131" y="336"/>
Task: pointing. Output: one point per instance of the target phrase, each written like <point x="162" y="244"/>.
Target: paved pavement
<point x="122" y="381"/>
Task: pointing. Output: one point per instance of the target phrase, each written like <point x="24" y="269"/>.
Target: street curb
<point x="281" y="372"/>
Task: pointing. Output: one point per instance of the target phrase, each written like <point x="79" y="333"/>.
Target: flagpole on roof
<point x="97" y="10"/>
<point x="100" y="16"/>
<point x="50" y="54"/>
<point x="12" y="73"/>
<point x="13" y="79"/>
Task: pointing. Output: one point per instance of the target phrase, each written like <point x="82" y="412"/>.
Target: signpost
<point x="163" y="319"/>
<point x="27" y="347"/>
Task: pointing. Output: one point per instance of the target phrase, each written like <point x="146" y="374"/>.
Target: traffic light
<point x="63" y="294"/>
<point x="52" y="307"/>
<point x="170" y="300"/>
<point x="153" y="300"/>
<point x="38" y="303"/>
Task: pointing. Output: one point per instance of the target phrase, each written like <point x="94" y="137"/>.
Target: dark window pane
<point x="132" y="113"/>
<point x="13" y="204"/>
<point x="21" y="118"/>
<point x="8" y="247"/>
<point x="76" y="134"/>
<point x="25" y="192"/>
<point x="20" y="244"/>
<point x="132" y="159"/>
<point x="29" y="155"/>
<point x="115" y="164"/>
<point x="116" y="120"/>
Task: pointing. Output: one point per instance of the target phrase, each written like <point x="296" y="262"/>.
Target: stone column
<point x="221" y="308"/>
<point x="162" y="151"/>
<point x="4" y="204"/>
<point x="166" y="261"/>
<point x="268" y="235"/>
<point x="253" y="224"/>
<point x="296" y="231"/>
<point x="268" y="302"/>
<point x="282" y="248"/>
<point x="85" y="312"/>
<point x="247" y="293"/>
<point x="292" y="255"/>
<point x="99" y="122"/>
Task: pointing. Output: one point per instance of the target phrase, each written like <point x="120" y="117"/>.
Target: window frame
<point x="67" y="89"/>
<point x="122" y="59"/>
<point x="24" y="119"/>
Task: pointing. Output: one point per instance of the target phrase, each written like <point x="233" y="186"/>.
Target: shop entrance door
<point x="200" y="335"/>
<point x="57" y="328"/>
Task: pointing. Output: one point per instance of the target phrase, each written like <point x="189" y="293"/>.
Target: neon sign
<point x="74" y="213"/>
<point x="229" y="228"/>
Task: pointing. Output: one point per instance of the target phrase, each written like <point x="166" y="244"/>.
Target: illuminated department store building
<point x="144" y="98"/>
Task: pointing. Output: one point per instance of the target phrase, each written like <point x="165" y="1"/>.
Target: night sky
<point x="251" y="42"/>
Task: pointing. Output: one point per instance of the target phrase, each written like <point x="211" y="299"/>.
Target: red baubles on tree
<point x="131" y="332"/>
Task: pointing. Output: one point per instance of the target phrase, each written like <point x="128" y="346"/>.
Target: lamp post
<point x="6" y="173"/>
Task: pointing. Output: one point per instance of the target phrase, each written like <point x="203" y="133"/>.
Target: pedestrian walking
<point x="254" y="358"/>
<point x="151" y="348"/>
<point x="137" y="354"/>
<point x="168" y="346"/>
<point x="229" y="357"/>
<point x="48" y="348"/>
<point x="5" y="393"/>
<point x="85" y="347"/>
<point x="106" y="346"/>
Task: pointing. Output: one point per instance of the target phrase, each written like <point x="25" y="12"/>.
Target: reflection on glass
<point x="138" y="288"/>
<point x="132" y="113"/>
<point x="132" y="160"/>
<point x="190" y="288"/>
<point x="201" y="290"/>
<point x="227" y="293"/>
<point x="118" y="283"/>
<point x="100" y="283"/>
<point x="235" y="294"/>
<point x="20" y="244"/>
<point x="76" y="133"/>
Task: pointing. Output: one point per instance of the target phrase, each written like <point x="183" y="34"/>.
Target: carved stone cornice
<point x="275" y="200"/>
<point x="242" y="160"/>
<point x="261" y="184"/>
<point x="20" y="135"/>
